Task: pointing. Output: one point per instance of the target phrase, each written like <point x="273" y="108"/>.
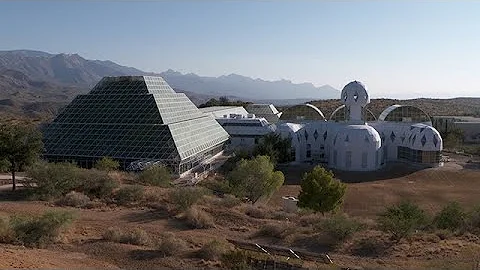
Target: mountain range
<point x="74" y="70"/>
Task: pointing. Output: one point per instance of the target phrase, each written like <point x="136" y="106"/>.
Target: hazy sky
<point x="396" y="48"/>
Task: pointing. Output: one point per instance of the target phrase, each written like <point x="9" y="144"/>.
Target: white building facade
<point x="402" y="133"/>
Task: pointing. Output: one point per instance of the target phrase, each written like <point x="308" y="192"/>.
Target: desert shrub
<point x="443" y="234"/>
<point x="276" y="230"/>
<point x="340" y="227"/>
<point x="107" y="164"/>
<point x="255" y="212"/>
<point x="311" y="219"/>
<point x="113" y="234"/>
<point x="136" y="237"/>
<point x="236" y="260"/>
<point x="129" y="194"/>
<point x="37" y="231"/>
<point x="96" y="183"/>
<point x="213" y="250"/>
<point x="452" y="217"/>
<point x="52" y="180"/>
<point x="156" y="175"/>
<point x="6" y="233"/>
<point x="473" y="220"/>
<point x="402" y="219"/>
<point x="74" y="199"/>
<point x="199" y="219"/>
<point x="184" y="197"/>
<point x="230" y="201"/>
<point x="169" y="245"/>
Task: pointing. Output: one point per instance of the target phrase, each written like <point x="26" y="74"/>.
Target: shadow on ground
<point x="294" y="173"/>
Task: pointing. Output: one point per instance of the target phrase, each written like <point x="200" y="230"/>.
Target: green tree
<point x="274" y="146"/>
<point x="20" y="146"/>
<point x="452" y="138"/>
<point x="320" y="191"/>
<point x="255" y="178"/>
<point x="402" y="219"/>
<point x="107" y="164"/>
<point x="452" y="217"/>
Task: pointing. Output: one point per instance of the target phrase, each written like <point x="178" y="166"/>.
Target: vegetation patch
<point x="402" y="220"/>
<point x="213" y="250"/>
<point x="129" y="194"/>
<point x="74" y="199"/>
<point x="340" y="227"/>
<point x="107" y="164"/>
<point x="255" y="212"/>
<point x="199" y="219"/>
<point x="137" y="236"/>
<point x="169" y="245"/>
<point x="275" y="230"/>
<point x="185" y="197"/>
<point x="35" y="231"/>
<point x="156" y="175"/>
<point x="452" y="217"/>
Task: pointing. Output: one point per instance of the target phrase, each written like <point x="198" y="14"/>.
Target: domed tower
<point x="355" y="98"/>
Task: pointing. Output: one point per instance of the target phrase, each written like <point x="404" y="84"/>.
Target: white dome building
<point x="347" y="142"/>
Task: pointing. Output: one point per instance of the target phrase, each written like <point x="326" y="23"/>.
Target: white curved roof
<point x="356" y="137"/>
<point x="423" y="137"/>
<point x="354" y="93"/>
<point x="343" y="106"/>
<point x="392" y="108"/>
<point x="316" y="109"/>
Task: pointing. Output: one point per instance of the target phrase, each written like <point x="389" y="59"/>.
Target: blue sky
<point x="399" y="49"/>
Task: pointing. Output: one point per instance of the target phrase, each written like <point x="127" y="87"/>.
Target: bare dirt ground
<point x="81" y="246"/>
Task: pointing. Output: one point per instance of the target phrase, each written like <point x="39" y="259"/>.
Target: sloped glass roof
<point x="132" y="118"/>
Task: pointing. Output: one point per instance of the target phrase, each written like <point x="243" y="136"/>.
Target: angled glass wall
<point x="131" y="119"/>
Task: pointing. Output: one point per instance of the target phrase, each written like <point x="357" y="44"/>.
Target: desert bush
<point x="310" y="219"/>
<point x="107" y="164"/>
<point x="52" y="180"/>
<point x="443" y="234"/>
<point x="452" y="217"/>
<point x="170" y="245"/>
<point x="255" y="212"/>
<point x="137" y="237"/>
<point x="74" y="199"/>
<point x="230" y="201"/>
<point x="213" y="250"/>
<point x="156" y="175"/>
<point x="276" y="230"/>
<point x="37" y="231"/>
<point x="199" y="219"/>
<point x="236" y="260"/>
<point x="184" y="197"/>
<point x="95" y="183"/>
<point x="6" y="233"/>
<point x="473" y="220"/>
<point x="129" y="194"/>
<point x="217" y="186"/>
<point x="402" y="219"/>
<point x="340" y="227"/>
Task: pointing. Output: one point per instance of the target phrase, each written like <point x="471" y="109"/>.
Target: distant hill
<point x="72" y="69"/>
<point x="454" y="106"/>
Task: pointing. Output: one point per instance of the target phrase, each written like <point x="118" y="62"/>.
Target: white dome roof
<point x="423" y="137"/>
<point x="356" y="137"/>
<point x="354" y="93"/>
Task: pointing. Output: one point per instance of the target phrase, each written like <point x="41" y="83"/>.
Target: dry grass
<point x="169" y="245"/>
<point x="137" y="236"/>
<point x="198" y="219"/>
<point x="74" y="199"/>
<point x="276" y="230"/>
<point x="255" y="212"/>
<point x="213" y="250"/>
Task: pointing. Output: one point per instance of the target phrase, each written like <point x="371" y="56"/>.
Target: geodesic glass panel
<point x="131" y="119"/>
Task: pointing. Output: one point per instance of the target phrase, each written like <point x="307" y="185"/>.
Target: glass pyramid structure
<point x="132" y="119"/>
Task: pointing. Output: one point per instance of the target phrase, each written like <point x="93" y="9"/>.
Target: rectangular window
<point x="348" y="159"/>
<point x="364" y="159"/>
<point x="309" y="150"/>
